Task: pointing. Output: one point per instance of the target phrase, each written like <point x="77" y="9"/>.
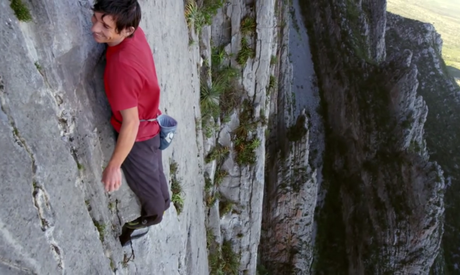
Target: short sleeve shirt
<point x="130" y="80"/>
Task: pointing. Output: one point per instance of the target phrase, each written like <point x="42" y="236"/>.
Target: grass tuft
<point x="20" y="10"/>
<point x="218" y="153"/>
<point x="176" y="188"/>
<point x="245" y="52"/>
<point x="248" y="25"/>
<point x="101" y="229"/>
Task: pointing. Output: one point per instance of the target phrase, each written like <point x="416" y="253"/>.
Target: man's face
<point x="104" y="30"/>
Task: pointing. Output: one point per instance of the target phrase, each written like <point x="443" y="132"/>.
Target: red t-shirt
<point x="130" y="80"/>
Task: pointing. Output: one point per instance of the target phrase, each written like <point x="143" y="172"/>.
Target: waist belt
<point x="141" y="120"/>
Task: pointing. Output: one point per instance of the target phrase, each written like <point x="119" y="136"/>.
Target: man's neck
<point x="114" y="43"/>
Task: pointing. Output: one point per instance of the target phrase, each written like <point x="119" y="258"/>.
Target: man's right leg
<point x="144" y="173"/>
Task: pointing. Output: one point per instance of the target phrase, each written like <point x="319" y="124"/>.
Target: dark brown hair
<point x="126" y="13"/>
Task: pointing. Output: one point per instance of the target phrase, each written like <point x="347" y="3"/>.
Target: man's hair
<point x="126" y="13"/>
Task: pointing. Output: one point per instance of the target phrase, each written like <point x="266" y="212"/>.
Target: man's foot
<point x="136" y="224"/>
<point x="128" y="235"/>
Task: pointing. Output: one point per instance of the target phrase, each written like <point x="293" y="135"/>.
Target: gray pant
<point x="143" y="170"/>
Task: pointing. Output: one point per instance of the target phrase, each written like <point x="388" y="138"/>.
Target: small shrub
<point x="225" y="207"/>
<point x="245" y="151"/>
<point x="176" y="188"/>
<point x="207" y="183"/>
<point x="248" y="25"/>
<point x="231" y="260"/>
<point x="37" y="65"/>
<point x="217" y="153"/>
<point x="20" y="10"/>
<point x="273" y="60"/>
<point x="219" y="177"/>
<point x="245" y="52"/>
<point x="217" y="57"/>
<point x="272" y="82"/>
<point x="209" y="100"/>
<point x="194" y="16"/>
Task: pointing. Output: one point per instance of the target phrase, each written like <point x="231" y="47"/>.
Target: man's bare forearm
<point x="125" y="142"/>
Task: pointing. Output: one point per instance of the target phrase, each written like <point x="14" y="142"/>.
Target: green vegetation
<point x="209" y="100"/>
<point x="225" y="206"/>
<point x="271" y="83"/>
<point x="37" y="65"/>
<point x="219" y="177"/>
<point x="245" y="52"/>
<point x="176" y="188"/>
<point x="224" y="94"/>
<point x="273" y="60"/>
<point x="246" y="151"/>
<point x="444" y="15"/>
<point x="112" y="264"/>
<point x="217" y="153"/>
<point x="20" y="10"/>
<point x="221" y="259"/>
<point x="199" y="16"/>
<point x="100" y="228"/>
<point x="248" y="25"/>
<point x="245" y="143"/>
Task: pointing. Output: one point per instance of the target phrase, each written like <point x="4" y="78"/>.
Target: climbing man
<point x="133" y="92"/>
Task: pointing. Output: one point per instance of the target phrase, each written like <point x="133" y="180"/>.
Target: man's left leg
<point x="143" y="170"/>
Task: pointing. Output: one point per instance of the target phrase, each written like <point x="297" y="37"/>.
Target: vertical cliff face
<point x="441" y="94"/>
<point x="384" y="203"/>
<point x="240" y="40"/>
<point x="56" y="139"/>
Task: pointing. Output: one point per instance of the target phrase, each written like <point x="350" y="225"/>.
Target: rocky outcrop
<point x="55" y="216"/>
<point x="384" y="204"/>
<point x="441" y="93"/>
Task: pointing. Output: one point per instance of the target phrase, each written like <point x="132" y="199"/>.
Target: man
<point x="133" y="92"/>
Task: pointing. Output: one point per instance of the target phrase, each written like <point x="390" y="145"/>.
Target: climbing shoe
<point x="130" y="234"/>
<point x="136" y="224"/>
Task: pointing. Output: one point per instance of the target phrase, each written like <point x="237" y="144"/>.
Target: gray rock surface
<point x="243" y="186"/>
<point x="56" y="139"/>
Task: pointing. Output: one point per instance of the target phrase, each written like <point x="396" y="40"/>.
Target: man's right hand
<point x="111" y="177"/>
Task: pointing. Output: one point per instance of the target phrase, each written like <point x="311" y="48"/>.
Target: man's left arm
<point x="111" y="176"/>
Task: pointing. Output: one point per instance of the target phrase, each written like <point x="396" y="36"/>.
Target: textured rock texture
<point x="55" y="216"/>
<point x="241" y="190"/>
<point x="384" y="205"/>
<point x="441" y="95"/>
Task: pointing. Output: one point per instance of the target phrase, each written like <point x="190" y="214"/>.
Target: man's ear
<point x="129" y="31"/>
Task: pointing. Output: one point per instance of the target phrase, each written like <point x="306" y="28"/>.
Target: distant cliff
<point x="384" y="206"/>
<point x="441" y="94"/>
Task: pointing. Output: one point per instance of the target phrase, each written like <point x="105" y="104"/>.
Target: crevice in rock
<point x="16" y="266"/>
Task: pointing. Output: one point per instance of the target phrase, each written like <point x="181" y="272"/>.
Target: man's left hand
<point x="111" y="177"/>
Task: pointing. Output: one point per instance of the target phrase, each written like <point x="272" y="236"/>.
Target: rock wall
<point x="237" y="179"/>
<point x="56" y="139"/>
<point x="441" y="95"/>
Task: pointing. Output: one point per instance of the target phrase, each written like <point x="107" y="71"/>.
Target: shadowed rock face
<point x="383" y="210"/>
<point x="442" y="132"/>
